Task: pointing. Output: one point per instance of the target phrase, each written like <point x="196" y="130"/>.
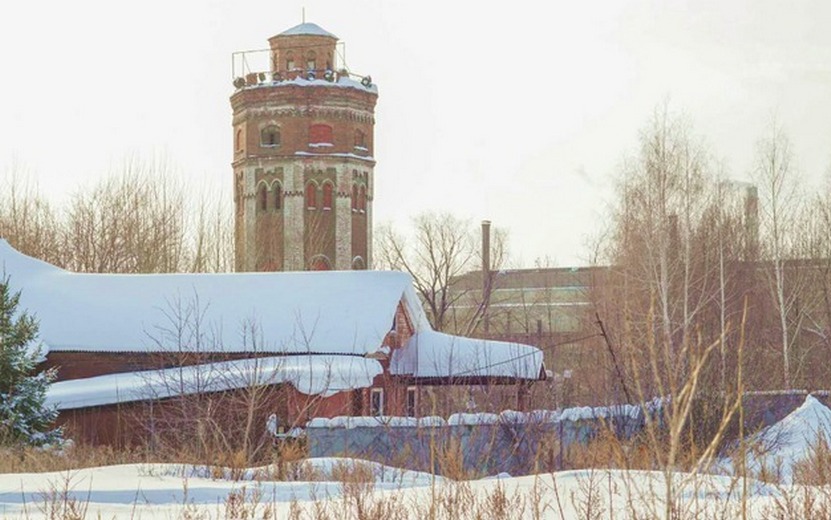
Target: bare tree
<point x="27" y="220"/>
<point x="130" y="223"/>
<point x="211" y="236"/>
<point x="777" y="181"/>
<point x="439" y="251"/>
<point x="668" y="302"/>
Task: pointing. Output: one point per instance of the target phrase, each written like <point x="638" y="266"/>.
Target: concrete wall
<point x="479" y="450"/>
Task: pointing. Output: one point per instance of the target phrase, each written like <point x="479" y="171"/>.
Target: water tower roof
<point x="307" y="29"/>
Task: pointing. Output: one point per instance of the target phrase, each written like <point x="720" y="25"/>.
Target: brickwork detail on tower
<point x="303" y="140"/>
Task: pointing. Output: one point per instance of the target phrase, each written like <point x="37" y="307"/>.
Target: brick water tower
<point x="303" y="156"/>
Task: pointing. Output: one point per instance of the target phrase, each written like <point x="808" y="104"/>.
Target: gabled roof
<point x="307" y="29"/>
<point x="332" y="312"/>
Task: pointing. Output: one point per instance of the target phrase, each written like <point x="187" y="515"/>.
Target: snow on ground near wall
<point x="782" y="445"/>
<point x="334" y="312"/>
<point x="325" y="375"/>
<point x="434" y="354"/>
<point x="164" y="491"/>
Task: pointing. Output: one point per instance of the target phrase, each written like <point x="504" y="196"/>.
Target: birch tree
<point x="780" y="204"/>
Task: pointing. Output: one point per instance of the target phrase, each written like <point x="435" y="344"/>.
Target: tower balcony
<point x="251" y="69"/>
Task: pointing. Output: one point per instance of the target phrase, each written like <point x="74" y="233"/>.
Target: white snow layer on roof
<point x="312" y="375"/>
<point x="792" y="439"/>
<point x="434" y="354"/>
<point x="334" y="312"/>
<point x="309" y="29"/>
<point x="300" y="81"/>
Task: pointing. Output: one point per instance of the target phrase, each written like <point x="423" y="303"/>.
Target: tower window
<point x="354" y="197"/>
<point x="238" y="140"/>
<point x="290" y="65"/>
<point x="311" y="196"/>
<point x="362" y="200"/>
<point x="263" y="195"/>
<point x="327" y="195"/>
<point x="278" y="196"/>
<point x="310" y="61"/>
<point x="269" y="136"/>
<point x="320" y="134"/>
<point x="360" y="139"/>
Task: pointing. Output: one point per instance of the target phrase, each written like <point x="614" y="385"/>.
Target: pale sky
<point x="517" y="112"/>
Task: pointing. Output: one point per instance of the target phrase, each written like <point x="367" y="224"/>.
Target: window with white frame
<point x="412" y="402"/>
<point x="376" y="402"/>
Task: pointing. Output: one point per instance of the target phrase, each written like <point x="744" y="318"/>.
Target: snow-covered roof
<point x="307" y="29"/>
<point x="791" y="440"/>
<point x="335" y="312"/>
<point x="434" y="354"/>
<point x="312" y="375"/>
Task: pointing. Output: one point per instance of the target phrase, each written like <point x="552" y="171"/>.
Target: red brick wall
<point x="298" y="108"/>
<point x="299" y="48"/>
<point x="134" y="423"/>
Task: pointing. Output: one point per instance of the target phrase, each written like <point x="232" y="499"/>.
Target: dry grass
<point x="36" y="460"/>
<point x="360" y="500"/>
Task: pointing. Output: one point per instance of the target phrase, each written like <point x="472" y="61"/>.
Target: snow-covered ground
<point x="335" y="487"/>
<point x="170" y="491"/>
<point x="164" y="490"/>
<point x="777" y="449"/>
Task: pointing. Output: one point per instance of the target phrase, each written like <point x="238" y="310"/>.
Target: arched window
<point x="263" y="198"/>
<point x="238" y="140"/>
<point x="290" y="61"/>
<point x="358" y="264"/>
<point x="360" y="139"/>
<point x="310" y="61"/>
<point x="278" y="196"/>
<point x="320" y="263"/>
<point x="311" y="196"/>
<point x="320" y="134"/>
<point x="354" y="197"/>
<point x="327" y="195"/>
<point x="270" y="136"/>
<point x="362" y="200"/>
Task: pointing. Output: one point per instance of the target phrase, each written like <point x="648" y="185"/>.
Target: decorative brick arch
<point x="270" y="136"/>
<point x="277" y="188"/>
<point x="311" y="195"/>
<point x="320" y="263"/>
<point x="328" y="195"/>
<point x="262" y="197"/>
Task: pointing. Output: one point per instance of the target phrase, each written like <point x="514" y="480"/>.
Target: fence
<point x="470" y="444"/>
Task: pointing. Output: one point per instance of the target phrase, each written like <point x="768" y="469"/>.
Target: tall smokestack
<point x="486" y="248"/>
<point x="486" y="270"/>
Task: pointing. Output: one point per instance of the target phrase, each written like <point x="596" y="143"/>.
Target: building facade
<point x="303" y="158"/>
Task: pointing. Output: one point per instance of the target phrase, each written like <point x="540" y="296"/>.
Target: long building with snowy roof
<point x="336" y="342"/>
